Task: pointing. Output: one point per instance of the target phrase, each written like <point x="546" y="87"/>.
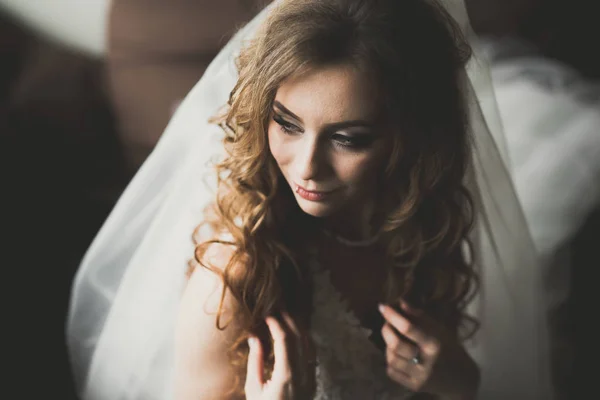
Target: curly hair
<point x="416" y="56"/>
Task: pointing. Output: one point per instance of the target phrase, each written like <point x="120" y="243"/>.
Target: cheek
<point x="278" y="151"/>
<point x="362" y="169"/>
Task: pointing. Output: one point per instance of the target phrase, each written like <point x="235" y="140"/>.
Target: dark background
<point x="69" y="144"/>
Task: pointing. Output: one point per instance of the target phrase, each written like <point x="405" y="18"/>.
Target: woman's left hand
<point x="423" y="356"/>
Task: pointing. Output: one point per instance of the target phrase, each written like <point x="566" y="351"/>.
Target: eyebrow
<point x="332" y="126"/>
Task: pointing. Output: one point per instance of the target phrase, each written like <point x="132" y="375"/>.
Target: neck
<point x="355" y="223"/>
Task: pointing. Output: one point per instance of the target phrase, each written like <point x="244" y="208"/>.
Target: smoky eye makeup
<point x="339" y="134"/>
<point x="285" y="126"/>
<point x="355" y="141"/>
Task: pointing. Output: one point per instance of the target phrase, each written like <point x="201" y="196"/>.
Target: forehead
<point x="330" y="94"/>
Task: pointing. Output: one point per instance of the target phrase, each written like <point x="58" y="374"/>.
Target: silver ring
<point x="416" y="360"/>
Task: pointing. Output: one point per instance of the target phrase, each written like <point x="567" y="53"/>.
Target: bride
<point x="357" y="204"/>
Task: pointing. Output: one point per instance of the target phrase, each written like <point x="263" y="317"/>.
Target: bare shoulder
<point x="204" y="288"/>
<point x="202" y="365"/>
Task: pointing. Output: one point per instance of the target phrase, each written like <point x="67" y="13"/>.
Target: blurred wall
<point x="80" y="24"/>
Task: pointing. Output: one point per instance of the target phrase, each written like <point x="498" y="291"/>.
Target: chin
<point x="314" y="208"/>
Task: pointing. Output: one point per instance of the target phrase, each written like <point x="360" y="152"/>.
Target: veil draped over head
<point x="125" y="295"/>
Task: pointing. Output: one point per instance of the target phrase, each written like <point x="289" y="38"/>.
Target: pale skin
<point x="314" y="152"/>
<point x="324" y="137"/>
<point x="202" y="368"/>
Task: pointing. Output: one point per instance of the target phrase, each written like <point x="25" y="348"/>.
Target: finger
<point x="281" y="369"/>
<point x="419" y="315"/>
<point x="405" y="306"/>
<point x="305" y="351"/>
<point x="399" y="346"/>
<point x="431" y="345"/>
<point x="255" y="368"/>
<point x="390" y="338"/>
<point x="413" y="383"/>
<point x="403" y="325"/>
<point x="399" y="376"/>
<point x="291" y="324"/>
<point x="405" y="365"/>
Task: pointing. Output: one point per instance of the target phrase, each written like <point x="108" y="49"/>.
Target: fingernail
<point x="381" y="308"/>
<point x="251" y="342"/>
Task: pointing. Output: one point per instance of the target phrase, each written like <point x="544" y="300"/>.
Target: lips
<point x="312" y="195"/>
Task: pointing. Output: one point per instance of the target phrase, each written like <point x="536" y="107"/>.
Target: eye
<point x="286" y="127"/>
<point x="342" y="140"/>
<point x="353" y="142"/>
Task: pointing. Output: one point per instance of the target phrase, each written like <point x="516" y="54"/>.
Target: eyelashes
<point x="355" y="142"/>
<point x="285" y="126"/>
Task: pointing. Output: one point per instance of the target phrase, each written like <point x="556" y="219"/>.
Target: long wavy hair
<point x="416" y="55"/>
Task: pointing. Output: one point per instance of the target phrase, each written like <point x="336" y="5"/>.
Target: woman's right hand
<point x="282" y="385"/>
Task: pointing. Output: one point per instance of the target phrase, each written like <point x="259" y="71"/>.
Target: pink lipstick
<point x="311" y="195"/>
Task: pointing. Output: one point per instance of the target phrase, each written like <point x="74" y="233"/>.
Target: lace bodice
<point x="349" y="365"/>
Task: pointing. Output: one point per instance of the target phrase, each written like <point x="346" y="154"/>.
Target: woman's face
<point x="326" y="136"/>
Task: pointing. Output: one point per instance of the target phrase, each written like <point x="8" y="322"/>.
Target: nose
<point x="311" y="160"/>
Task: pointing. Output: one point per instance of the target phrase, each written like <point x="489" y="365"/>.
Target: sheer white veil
<point x="126" y="291"/>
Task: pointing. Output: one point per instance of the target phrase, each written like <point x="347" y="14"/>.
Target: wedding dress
<point x="349" y="364"/>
